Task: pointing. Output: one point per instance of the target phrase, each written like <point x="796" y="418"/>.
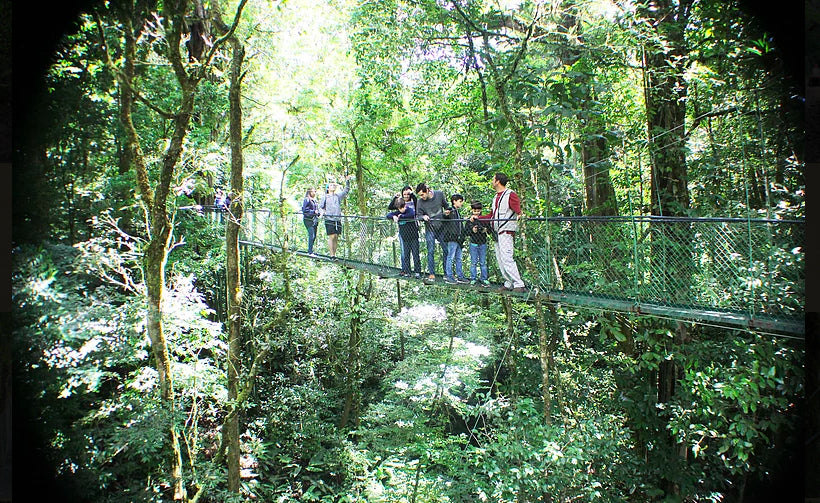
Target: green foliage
<point x="733" y="410"/>
<point x="587" y="459"/>
<point x="730" y="410"/>
<point x="84" y="355"/>
<point x="450" y="407"/>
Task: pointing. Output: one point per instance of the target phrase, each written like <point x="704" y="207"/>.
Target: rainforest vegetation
<point x="157" y="359"/>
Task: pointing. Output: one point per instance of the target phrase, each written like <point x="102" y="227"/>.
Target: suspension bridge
<point x="747" y="274"/>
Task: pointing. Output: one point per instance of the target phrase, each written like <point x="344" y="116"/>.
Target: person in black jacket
<point x="453" y="236"/>
<point x="477" y="232"/>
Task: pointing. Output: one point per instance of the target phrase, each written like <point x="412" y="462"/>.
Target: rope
<point x="492" y="385"/>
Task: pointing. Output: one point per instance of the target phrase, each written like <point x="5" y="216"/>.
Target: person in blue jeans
<point x="453" y="234"/>
<point x="310" y="217"/>
<point x="430" y="208"/>
<point x="477" y="232"/>
<point x="405" y="217"/>
<point x="410" y="200"/>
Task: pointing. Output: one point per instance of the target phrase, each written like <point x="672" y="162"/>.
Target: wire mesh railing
<point x="723" y="267"/>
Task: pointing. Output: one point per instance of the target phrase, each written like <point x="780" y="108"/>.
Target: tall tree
<point x="358" y="301"/>
<point x="154" y="191"/>
<point x="234" y="283"/>
<point x="600" y="193"/>
<point x="665" y="61"/>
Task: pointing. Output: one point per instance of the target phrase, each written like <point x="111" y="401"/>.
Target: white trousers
<point x="506" y="262"/>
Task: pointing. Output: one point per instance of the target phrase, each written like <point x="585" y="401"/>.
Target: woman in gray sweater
<point x="330" y="206"/>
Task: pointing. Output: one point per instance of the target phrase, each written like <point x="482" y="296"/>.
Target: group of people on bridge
<point x="443" y="223"/>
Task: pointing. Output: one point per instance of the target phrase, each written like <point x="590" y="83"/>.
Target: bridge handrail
<point x="580" y="218"/>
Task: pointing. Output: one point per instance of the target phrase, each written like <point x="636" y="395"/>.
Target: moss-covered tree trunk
<point x="599" y="191"/>
<point x="350" y="410"/>
<point x="154" y="189"/>
<point x="360" y="297"/>
<point x="232" y="259"/>
<point x="665" y="94"/>
<point x="155" y="199"/>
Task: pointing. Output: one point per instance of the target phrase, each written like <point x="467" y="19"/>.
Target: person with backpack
<point x="506" y="210"/>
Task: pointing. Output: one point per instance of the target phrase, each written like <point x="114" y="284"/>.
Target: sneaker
<point x="417" y="275"/>
<point x="472" y="282"/>
<point x="503" y="288"/>
<point x="431" y="277"/>
<point x="449" y="281"/>
<point x="312" y="255"/>
<point x="463" y="280"/>
<point x="486" y="282"/>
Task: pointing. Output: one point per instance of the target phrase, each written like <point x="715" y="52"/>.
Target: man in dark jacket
<point x="430" y="208"/>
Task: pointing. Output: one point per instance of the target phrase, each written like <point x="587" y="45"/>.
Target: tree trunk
<point x="595" y="151"/>
<point x="665" y="94"/>
<point x="500" y="85"/>
<point x="234" y="285"/>
<point x="600" y="194"/>
<point x="154" y="191"/>
<point x="350" y="411"/>
<point x="361" y="294"/>
<point x="156" y="251"/>
<point x="155" y="200"/>
<point x="546" y="346"/>
<point x="512" y="360"/>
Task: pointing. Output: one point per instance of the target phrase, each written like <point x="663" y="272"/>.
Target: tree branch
<point x="122" y="77"/>
<point x="716" y="113"/>
<point x="228" y="31"/>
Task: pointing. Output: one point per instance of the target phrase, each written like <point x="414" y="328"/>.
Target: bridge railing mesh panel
<point x="755" y="267"/>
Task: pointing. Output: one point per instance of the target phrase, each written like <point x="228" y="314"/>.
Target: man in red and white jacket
<point x="505" y="211"/>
